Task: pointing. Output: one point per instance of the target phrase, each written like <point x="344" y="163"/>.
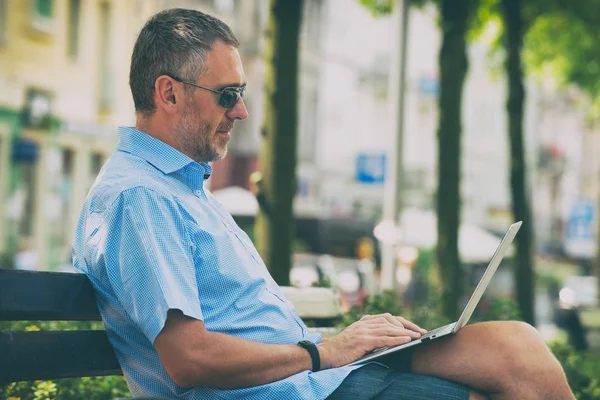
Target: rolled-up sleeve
<point x="149" y="260"/>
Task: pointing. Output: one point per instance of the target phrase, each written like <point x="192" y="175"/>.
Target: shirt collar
<point x="159" y="154"/>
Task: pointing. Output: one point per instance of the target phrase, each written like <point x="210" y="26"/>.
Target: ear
<point x="167" y="94"/>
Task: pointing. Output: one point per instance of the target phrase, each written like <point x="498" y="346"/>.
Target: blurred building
<point x="59" y="100"/>
<point x="560" y="166"/>
<point x="64" y="67"/>
<point x="346" y="134"/>
<point x="64" y="70"/>
<point x="344" y="110"/>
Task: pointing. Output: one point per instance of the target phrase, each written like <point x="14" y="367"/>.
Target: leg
<point x="504" y="360"/>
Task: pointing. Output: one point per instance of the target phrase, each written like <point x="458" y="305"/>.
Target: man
<point x="188" y="304"/>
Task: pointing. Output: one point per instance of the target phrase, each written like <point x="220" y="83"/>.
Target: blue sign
<point x="25" y="151"/>
<point x="429" y="86"/>
<point x="580" y="240"/>
<point x="370" y="168"/>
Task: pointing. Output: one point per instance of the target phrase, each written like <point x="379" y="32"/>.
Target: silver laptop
<point x="454" y="327"/>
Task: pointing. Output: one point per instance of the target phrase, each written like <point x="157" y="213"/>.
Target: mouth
<point x="224" y="134"/>
<point x="224" y="130"/>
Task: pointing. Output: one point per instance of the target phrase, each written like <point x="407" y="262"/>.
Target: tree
<point x="563" y="44"/>
<point x="523" y="263"/>
<point x="277" y="186"/>
<point x="555" y="38"/>
<point x="453" y="64"/>
<point x="453" y="68"/>
<point x="510" y="15"/>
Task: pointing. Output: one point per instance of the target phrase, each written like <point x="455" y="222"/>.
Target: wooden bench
<point x="55" y="296"/>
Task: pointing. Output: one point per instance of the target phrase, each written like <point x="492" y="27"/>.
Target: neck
<point x="161" y="130"/>
<point x="156" y="128"/>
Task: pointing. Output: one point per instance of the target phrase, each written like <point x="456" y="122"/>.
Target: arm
<point x="153" y="274"/>
<point x="194" y="356"/>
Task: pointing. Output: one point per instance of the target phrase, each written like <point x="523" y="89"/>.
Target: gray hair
<point x="173" y="42"/>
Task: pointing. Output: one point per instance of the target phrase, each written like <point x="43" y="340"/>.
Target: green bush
<point x="385" y="302"/>
<point x="582" y="370"/>
<point x="427" y="314"/>
<point x="38" y="390"/>
<point x="6" y="260"/>
<point x="93" y="388"/>
<point x="90" y="388"/>
<point x="497" y="309"/>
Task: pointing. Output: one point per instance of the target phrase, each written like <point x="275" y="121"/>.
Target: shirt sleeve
<point x="149" y="259"/>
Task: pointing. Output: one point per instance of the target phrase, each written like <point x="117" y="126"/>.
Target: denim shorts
<point x="375" y="381"/>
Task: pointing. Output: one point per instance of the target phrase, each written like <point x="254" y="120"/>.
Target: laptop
<point x="454" y="327"/>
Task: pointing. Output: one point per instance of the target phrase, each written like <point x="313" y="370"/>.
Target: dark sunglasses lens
<point x="229" y="98"/>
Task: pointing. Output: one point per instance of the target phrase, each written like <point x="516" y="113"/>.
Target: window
<point x="97" y="160"/>
<point x="3" y="167"/>
<point x="311" y="25"/>
<point x="307" y="130"/>
<point x="44" y="8"/>
<point x="107" y="78"/>
<point x="65" y="190"/>
<point x="3" y="23"/>
<point x="224" y="6"/>
<point x="42" y="13"/>
<point x="73" y="28"/>
<point x="26" y="193"/>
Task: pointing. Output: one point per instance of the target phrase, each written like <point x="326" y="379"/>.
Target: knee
<point x="524" y="335"/>
<point x="523" y="349"/>
<point x="516" y="335"/>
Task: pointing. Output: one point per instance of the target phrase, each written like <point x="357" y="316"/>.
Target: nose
<point x="238" y="112"/>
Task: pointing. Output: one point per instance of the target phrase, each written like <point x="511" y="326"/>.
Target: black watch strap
<point x="314" y="354"/>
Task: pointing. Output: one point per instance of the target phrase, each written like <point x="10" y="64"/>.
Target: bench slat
<point x="46" y="296"/>
<point x="55" y="355"/>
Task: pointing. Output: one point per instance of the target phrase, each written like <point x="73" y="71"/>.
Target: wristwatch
<point x="314" y="354"/>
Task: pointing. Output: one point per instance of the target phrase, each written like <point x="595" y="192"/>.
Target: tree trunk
<point x="523" y="261"/>
<point x="277" y="187"/>
<point x="453" y="67"/>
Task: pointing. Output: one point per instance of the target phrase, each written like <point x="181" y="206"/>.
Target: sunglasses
<point x="228" y="96"/>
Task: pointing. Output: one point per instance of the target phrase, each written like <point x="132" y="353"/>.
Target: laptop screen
<point x="488" y="274"/>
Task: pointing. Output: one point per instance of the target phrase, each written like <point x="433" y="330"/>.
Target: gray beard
<point x="196" y="143"/>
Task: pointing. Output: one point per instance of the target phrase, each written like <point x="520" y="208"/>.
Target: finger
<point x="411" y="325"/>
<point x="379" y="319"/>
<point x="389" y="341"/>
<point x="382" y="318"/>
<point x="370" y="317"/>
<point x="393" y="320"/>
<point x="392" y="330"/>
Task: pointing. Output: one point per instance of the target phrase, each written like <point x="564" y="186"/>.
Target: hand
<point x="367" y="334"/>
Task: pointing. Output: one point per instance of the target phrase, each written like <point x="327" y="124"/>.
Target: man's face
<point x="204" y="127"/>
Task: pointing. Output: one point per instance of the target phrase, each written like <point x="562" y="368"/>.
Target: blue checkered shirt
<point x="151" y="238"/>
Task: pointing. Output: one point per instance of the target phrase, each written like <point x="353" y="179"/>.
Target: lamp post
<point x="393" y="197"/>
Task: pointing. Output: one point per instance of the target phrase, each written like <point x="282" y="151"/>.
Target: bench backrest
<point x="51" y="296"/>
